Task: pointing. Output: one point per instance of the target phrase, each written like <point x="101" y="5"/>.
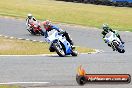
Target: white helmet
<point x="105" y="25"/>
<point x="30" y="16"/>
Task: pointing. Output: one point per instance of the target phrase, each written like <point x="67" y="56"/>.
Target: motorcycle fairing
<point x="67" y="46"/>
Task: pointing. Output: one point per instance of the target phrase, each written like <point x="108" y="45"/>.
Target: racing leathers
<point x="32" y="22"/>
<point x="107" y="30"/>
<point x="65" y="34"/>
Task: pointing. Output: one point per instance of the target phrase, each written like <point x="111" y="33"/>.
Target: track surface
<point x="60" y="72"/>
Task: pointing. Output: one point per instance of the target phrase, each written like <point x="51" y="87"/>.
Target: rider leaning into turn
<point x="30" y="20"/>
<point x="107" y="29"/>
<point x="48" y="27"/>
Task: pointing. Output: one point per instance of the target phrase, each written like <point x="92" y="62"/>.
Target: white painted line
<point x="8" y="83"/>
<point x="41" y="41"/>
<point x="28" y="55"/>
<point x="6" y="36"/>
<point x="27" y="39"/>
<point x="77" y="46"/>
<point x="127" y="31"/>
<point x="34" y="40"/>
<point x="20" y="38"/>
<point x="11" y="37"/>
<point x="97" y="51"/>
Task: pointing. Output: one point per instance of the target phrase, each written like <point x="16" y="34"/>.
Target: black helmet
<point x="105" y="27"/>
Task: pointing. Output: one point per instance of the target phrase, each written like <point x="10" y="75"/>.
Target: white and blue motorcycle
<point x="59" y="44"/>
<point x="115" y="42"/>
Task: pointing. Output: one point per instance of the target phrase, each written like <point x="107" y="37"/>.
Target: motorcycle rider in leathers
<point x="48" y="27"/>
<point x="29" y="21"/>
<point x="107" y="29"/>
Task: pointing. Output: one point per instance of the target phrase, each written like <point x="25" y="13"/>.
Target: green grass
<point x="5" y="86"/>
<point x="22" y="47"/>
<point x="74" y="13"/>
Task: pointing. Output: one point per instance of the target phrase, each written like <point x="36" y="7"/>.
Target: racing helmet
<point x="30" y="16"/>
<point x="105" y="27"/>
<point x="46" y="24"/>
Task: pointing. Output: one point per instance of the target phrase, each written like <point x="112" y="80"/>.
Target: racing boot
<point x="73" y="47"/>
<point x="113" y="48"/>
<point x="69" y="40"/>
<point x="122" y="42"/>
<point x="72" y="44"/>
<point x="120" y="39"/>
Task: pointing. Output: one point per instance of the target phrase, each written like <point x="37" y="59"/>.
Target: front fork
<point x="51" y="48"/>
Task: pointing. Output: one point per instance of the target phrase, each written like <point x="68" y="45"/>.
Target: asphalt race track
<point x="60" y="72"/>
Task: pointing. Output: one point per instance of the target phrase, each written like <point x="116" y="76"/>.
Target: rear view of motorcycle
<point x="35" y="29"/>
<point x="114" y="42"/>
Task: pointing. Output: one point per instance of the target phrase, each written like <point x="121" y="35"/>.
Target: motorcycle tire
<point x="32" y="32"/>
<point x="122" y="51"/>
<point x="74" y="53"/>
<point x="59" y="51"/>
<point x="118" y="49"/>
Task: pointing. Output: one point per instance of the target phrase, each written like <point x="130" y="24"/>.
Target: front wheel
<point x="31" y="31"/>
<point x="59" y="50"/>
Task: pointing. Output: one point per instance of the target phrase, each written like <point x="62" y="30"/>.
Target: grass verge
<point x="22" y="47"/>
<point x="11" y="86"/>
<point x="68" y="12"/>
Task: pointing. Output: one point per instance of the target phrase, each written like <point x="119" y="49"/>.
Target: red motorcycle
<point x="35" y="29"/>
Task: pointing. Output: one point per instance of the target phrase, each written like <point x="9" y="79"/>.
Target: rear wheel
<point x="74" y="53"/>
<point x="122" y="51"/>
<point x="117" y="47"/>
<point x="59" y="50"/>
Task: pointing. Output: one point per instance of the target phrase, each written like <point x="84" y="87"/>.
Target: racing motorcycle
<point x="59" y="44"/>
<point x="35" y="29"/>
<point x="112" y="40"/>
